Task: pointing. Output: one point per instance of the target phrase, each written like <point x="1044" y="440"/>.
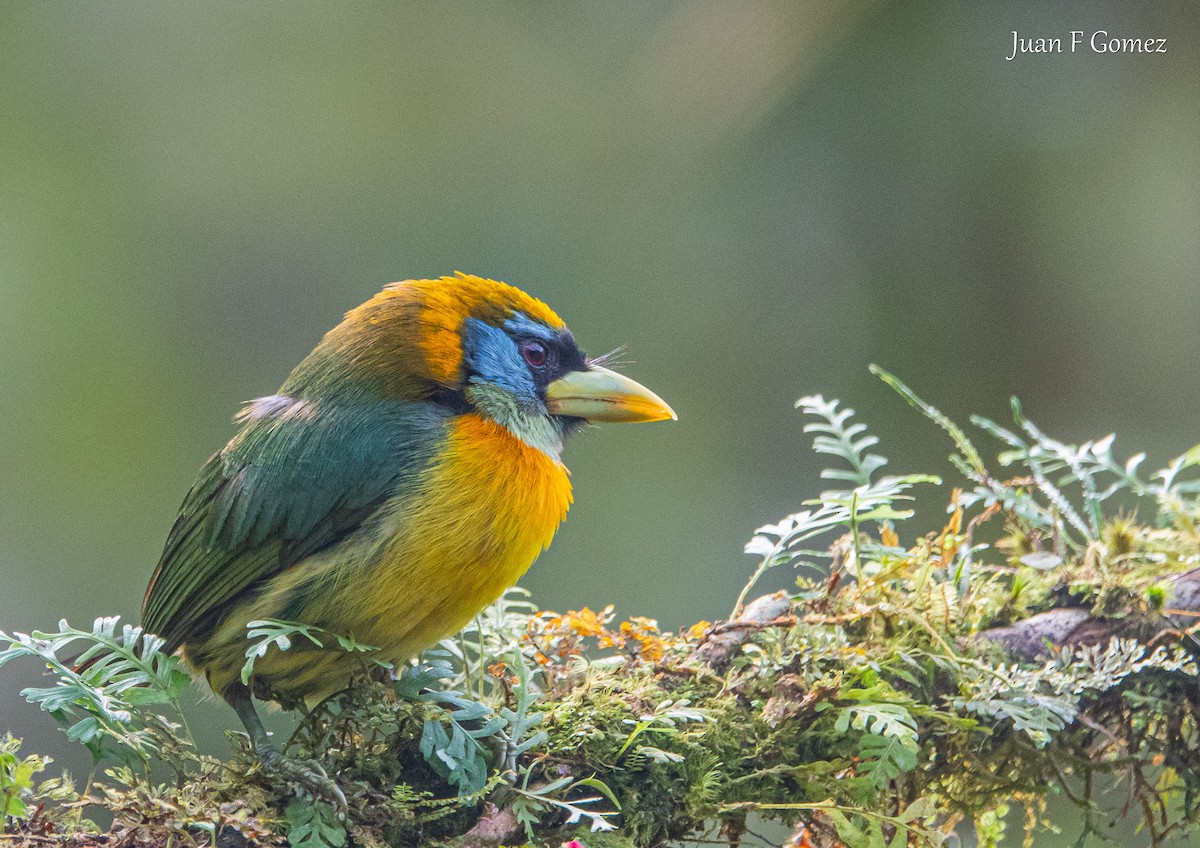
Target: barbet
<point x="407" y="473"/>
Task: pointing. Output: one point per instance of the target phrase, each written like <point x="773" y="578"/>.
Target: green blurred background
<point x="757" y="198"/>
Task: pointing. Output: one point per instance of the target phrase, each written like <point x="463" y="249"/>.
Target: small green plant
<point x="532" y="804"/>
<point x="313" y="824"/>
<point x="890" y="742"/>
<point x="107" y="697"/>
<point x="16" y="778"/>
<point x="452" y="741"/>
<point x="844" y="510"/>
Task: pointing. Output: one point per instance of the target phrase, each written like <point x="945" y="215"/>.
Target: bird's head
<point x="476" y="345"/>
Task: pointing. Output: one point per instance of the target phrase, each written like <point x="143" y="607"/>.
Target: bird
<point x="405" y="475"/>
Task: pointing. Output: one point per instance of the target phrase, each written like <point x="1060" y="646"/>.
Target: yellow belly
<point x="417" y="571"/>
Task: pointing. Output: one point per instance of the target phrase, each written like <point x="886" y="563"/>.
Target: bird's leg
<point x="308" y="774"/>
<point x="237" y="695"/>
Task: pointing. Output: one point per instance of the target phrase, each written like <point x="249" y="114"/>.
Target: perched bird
<point x="407" y="473"/>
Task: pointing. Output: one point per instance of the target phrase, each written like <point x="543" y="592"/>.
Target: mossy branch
<point x="907" y="688"/>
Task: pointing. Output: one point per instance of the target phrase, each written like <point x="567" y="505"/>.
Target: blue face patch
<point x="501" y="386"/>
<point x="491" y="356"/>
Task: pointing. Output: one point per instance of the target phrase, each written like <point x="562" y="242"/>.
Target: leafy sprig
<point x="264" y="634"/>
<point x="871" y="500"/>
<point x="103" y="695"/>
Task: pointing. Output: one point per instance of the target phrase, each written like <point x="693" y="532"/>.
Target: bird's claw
<point x="307" y="776"/>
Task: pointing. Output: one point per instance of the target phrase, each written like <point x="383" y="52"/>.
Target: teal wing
<point x="296" y="479"/>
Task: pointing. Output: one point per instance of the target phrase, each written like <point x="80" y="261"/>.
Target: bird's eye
<point x="534" y="353"/>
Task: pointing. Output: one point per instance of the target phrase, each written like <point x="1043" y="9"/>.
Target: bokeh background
<point x="759" y="199"/>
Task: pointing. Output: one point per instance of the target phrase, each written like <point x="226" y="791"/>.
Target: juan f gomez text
<point x="1099" y="41"/>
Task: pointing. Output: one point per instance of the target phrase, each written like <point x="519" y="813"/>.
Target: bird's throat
<point x="534" y="427"/>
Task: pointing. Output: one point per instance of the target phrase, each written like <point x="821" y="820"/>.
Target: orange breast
<point x="488" y="506"/>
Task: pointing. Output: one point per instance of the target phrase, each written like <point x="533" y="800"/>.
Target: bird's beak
<point x="598" y="394"/>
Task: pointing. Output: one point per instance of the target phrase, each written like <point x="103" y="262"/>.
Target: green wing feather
<point x="296" y="479"/>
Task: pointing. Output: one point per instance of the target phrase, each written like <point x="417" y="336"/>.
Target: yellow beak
<point x="602" y="395"/>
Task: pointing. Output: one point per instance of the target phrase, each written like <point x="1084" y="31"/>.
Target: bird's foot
<point x="306" y="775"/>
<point x="507" y="753"/>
